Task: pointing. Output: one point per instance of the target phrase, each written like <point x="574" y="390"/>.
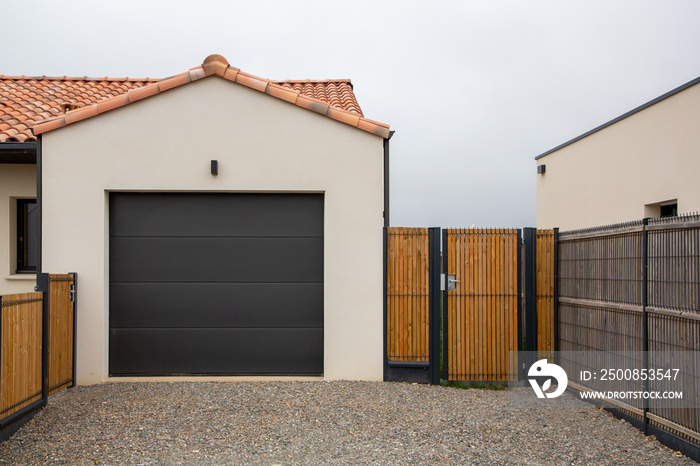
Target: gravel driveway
<point x="319" y="423"/>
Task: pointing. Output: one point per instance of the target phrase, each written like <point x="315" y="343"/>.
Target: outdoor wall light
<point x="541" y="169"/>
<point x="214" y="167"/>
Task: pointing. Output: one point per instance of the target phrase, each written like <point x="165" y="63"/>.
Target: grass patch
<point x="475" y="385"/>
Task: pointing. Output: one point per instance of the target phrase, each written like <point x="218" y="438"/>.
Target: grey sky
<point x="474" y="89"/>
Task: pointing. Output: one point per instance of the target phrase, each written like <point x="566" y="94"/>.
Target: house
<point x="220" y="224"/>
<point x="642" y="164"/>
<point x="24" y="101"/>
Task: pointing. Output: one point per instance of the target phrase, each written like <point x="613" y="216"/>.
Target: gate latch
<point x="451" y="282"/>
<point x="72" y="293"/>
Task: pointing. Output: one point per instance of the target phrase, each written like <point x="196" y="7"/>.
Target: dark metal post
<point x="434" y="305"/>
<point x="556" y="292"/>
<point x="42" y="280"/>
<point x="74" y="296"/>
<point x="530" y="241"/>
<point x="39" y="205"/>
<point x="384" y="262"/>
<point x="445" y="310"/>
<point x="645" y="322"/>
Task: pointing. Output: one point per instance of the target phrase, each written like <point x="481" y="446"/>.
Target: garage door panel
<point x="216" y="214"/>
<point x="139" y="305"/>
<point x="216" y="260"/>
<point x="214" y="283"/>
<point x="216" y="351"/>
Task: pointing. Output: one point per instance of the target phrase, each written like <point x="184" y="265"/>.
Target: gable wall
<point x="165" y="143"/>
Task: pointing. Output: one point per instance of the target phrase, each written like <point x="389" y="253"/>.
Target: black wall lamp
<point x="540" y="169"/>
<point x="214" y="167"/>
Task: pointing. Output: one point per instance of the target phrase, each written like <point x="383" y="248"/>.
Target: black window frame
<point x="25" y="239"/>
<point x="668" y="210"/>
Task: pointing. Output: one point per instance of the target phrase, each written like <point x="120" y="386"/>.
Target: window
<point x="662" y="209"/>
<point x="668" y="210"/>
<point x="27" y="235"/>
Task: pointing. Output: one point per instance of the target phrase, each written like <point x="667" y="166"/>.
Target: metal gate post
<point x="384" y="262"/>
<point x="556" y="294"/>
<point x="434" y="304"/>
<point x="530" y="283"/>
<point x="74" y="298"/>
<point x="42" y="284"/>
<point x="645" y="318"/>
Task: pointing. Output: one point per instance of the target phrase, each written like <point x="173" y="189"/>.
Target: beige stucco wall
<point x="165" y="143"/>
<point x="608" y="177"/>
<point x="17" y="181"/>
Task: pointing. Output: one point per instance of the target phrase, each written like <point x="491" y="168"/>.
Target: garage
<point x="220" y="224"/>
<point x="216" y="284"/>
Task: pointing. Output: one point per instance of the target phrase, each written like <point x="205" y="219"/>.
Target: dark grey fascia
<point x="18" y="152"/>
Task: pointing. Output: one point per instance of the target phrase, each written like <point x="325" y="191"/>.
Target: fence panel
<point x="20" y="351"/>
<point x="482" y="310"/>
<point x="608" y="303"/>
<point x="674" y="265"/>
<point x="407" y="294"/>
<point x="602" y="265"/>
<point x="674" y="315"/>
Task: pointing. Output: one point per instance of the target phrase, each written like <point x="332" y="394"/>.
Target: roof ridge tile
<point x="330" y="97"/>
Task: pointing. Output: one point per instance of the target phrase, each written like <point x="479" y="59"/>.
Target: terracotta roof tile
<point x="50" y="103"/>
<point x="25" y="100"/>
<point x="337" y="93"/>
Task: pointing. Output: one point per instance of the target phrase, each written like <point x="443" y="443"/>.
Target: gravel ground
<point x="319" y="423"/>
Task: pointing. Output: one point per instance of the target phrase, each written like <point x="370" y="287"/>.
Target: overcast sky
<point x="474" y="89"/>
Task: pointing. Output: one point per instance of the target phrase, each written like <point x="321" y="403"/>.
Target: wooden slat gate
<point x="61" y="326"/>
<point x="481" y="317"/>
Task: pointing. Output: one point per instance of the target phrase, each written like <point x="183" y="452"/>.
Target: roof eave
<point x="18" y="152"/>
<point x="623" y="116"/>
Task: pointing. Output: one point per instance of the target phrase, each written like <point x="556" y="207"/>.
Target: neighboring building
<point x="220" y="224"/>
<point x="642" y="164"/>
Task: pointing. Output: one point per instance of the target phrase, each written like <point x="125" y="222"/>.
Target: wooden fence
<point x="481" y="312"/>
<point x="546" y="296"/>
<point x="635" y="287"/>
<point x="407" y="294"/>
<point x="29" y="371"/>
<point x="20" y="352"/>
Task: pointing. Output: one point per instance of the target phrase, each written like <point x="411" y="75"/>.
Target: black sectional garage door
<point x="215" y="283"/>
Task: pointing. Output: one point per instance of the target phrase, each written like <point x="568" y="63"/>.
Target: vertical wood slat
<point x="20" y="351"/>
<point x="545" y="293"/>
<point x="482" y="311"/>
<point x="60" y="332"/>
<point x="408" y="294"/>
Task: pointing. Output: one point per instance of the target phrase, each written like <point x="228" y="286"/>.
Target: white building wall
<point x="17" y="181"/>
<point x="166" y="143"/>
<point x="610" y="176"/>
